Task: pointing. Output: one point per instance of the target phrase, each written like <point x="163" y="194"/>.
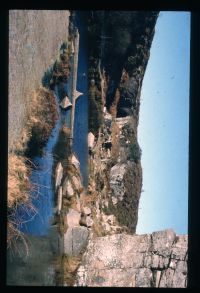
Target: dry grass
<point x="73" y="171"/>
<point x="66" y="269"/>
<point x="40" y="121"/>
<point x="41" y="117"/>
<point x="89" y="199"/>
<point x="13" y="234"/>
<point x="18" y="182"/>
<point x="70" y="266"/>
<point x="113" y="107"/>
<point x="115" y="141"/>
<point x="19" y="189"/>
<point x="97" y="228"/>
<point x="62" y="227"/>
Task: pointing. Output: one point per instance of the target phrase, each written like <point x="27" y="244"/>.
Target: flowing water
<point x="41" y="176"/>
<point x="37" y="226"/>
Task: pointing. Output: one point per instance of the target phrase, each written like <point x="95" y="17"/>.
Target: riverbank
<point x="32" y="106"/>
<point x="40" y="122"/>
<point x="48" y="159"/>
<point x="35" y="37"/>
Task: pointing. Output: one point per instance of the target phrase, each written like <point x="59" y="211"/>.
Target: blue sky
<point x="163" y="130"/>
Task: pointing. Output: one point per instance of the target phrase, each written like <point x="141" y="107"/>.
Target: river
<point x="41" y="177"/>
<point x="37" y="225"/>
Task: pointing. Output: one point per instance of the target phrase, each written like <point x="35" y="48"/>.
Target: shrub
<point x="47" y="77"/>
<point x="135" y="152"/>
<point x="95" y="110"/>
<point x="63" y="46"/>
<point x="131" y="64"/>
<point x="61" y="68"/>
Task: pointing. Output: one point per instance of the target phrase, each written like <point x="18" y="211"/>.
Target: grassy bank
<point x="41" y="119"/>
<point x="19" y="188"/>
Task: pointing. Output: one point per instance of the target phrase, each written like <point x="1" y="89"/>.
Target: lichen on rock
<point x="129" y="261"/>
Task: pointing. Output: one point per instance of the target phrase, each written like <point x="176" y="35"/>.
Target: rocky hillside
<point x="120" y="45"/>
<point x="35" y="37"/>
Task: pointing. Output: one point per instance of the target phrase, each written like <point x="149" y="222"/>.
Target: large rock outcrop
<point x="116" y="70"/>
<point x="121" y="260"/>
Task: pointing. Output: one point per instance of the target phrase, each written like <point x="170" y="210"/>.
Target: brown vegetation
<point x="66" y="269"/>
<point x="62" y="148"/>
<point x="18" y="182"/>
<point x="97" y="228"/>
<point x="113" y="107"/>
<point x="62" y="227"/>
<point x="61" y="70"/>
<point x="95" y="109"/>
<point x="115" y="132"/>
<point x="19" y="189"/>
<point x="41" y="119"/>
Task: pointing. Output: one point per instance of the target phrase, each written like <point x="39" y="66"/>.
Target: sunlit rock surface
<point x="150" y="260"/>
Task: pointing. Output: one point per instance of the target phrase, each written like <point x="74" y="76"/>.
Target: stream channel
<point x="36" y="268"/>
<point x="41" y="177"/>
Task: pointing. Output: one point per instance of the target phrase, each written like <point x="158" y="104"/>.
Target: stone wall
<point x="121" y="260"/>
<point x="35" y="37"/>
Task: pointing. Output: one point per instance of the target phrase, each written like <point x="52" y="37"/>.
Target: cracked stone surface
<point x="117" y="173"/>
<point x="58" y="174"/>
<point x="75" y="240"/>
<point x="123" y="260"/>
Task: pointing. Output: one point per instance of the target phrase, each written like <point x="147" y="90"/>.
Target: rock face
<point x="117" y="173"/>
<point x="115" y="177"/>
<point x="122" y="260"/>
<point x="73" y="218"/>
<point x="91" y="139"/>
<point x="75" y="240"/>
<point x="65" y="103"/>
<point x="68" y="190"/>
<point x="59" y="200"/>
<point x="58" y="174"/>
